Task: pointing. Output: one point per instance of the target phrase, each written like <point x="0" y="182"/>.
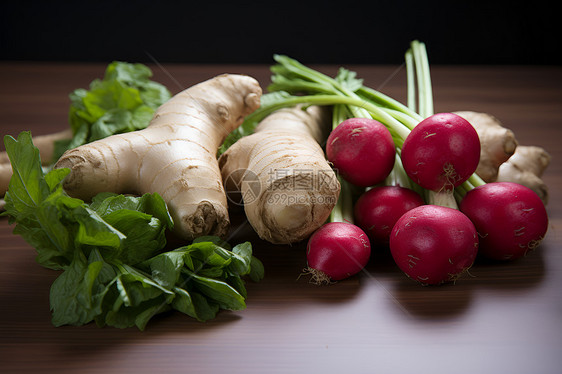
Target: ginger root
<point x="174" y="156"/>
<point x="46" y="146"/>
<point x="497" y="143"/>
<point x="288" y="187"/>
<point x="502" y="159"/>
<point x="526" y="167"/>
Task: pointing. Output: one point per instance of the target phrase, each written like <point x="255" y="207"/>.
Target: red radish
<point x="377" y="210"/>
<point x="441" y="152"/>
<point x="510" y="218"/>
<point x="434" y="244"/>
<point x="362" y="150"/>
<point x="336" y="251"/>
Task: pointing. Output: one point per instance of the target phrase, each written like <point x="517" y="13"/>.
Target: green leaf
<point x="124" y="100"/>
<point x="220" y="292"/>
<point x="257" y="271"/>
<point x="54" y="179"/>
<point x="238" y="284"/>
<point x="242" y="256"/>
<point x="139" y="315"/>
<point x="151" y="203"/>
<point x="113" y="121"/>
<point x="135" y="287"/>
<point x="212" y="272"/>
<point x="213" y="239"/>
<point x="129" y="74"/>
<point x="134" y="300"/>
<point x="209" y="254"/>
<point x="165" y="268"/>
<point x="94" y="231"/>
<point x="153" y="94"/>
<point x="140" y="117"/>
<point x="45" y="216"/>
<point x="27" y="187"/>
<point x="184" y="303"/>
<point x="144" y="235"/>
<point x="204" y="308"/>
<point x="142" y="220"/>
<point x="76" y="295"/>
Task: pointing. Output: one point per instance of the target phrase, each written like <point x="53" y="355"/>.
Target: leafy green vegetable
<point x="54" y="223"/>
<point x="124" y="100"/>
<point x="111" y="252"/>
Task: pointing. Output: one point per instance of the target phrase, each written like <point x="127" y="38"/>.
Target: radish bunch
<point x="411" y="188"/>
<point x="431" y="243"/>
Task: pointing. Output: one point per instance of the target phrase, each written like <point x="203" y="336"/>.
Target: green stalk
<point x="307" y="73"/>
<point x="292" y="77"/>
<point x="343" y="210"/>
<point x="410" y="76"/>
<point x="398" y="129"/>
<point x="399" y="177"/>
<point x="389" y="105"/>
<point x="421" y="63"/>
<point x="426" y="109"/>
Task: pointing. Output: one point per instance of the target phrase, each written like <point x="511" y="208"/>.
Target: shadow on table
<point x="454" y="299"/>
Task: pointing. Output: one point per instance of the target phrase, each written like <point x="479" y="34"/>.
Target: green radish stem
<point x="410" y="76"/>
<point x="398" y="129"/>
<point x="343" y="210"/>
<point x="417" y="61"/>
<point x="418" y="77"/>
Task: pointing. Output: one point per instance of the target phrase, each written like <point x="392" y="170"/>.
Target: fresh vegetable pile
<point x="412" y="168"/>
<point x="109" y="239"/>
<point x="322" y="159"/>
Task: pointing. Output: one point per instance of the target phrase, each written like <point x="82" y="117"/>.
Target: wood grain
<point x="503" y="318"/>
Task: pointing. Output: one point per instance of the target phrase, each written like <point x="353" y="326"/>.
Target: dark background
<point x="374" y="32"/>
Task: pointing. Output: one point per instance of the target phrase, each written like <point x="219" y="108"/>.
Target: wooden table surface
<point x="504" y="318"/>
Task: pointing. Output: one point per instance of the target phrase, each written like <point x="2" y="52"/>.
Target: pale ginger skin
<point x="175" y="156"/>
<point x="497" y="143"/>
<point x="526" y="167"/>
<point x="289" y="188"/>
<point x="46" y="146"/>
<point x="502" y="159"/>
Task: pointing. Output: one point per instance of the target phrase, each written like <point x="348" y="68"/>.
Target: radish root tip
<point x="317" y="277"/>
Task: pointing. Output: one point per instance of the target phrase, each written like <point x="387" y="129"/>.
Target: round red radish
<point x="377" y="210"/>
<point x="336" y="251"/>
<point x="510" y="218"/>
<point x="441" y="152"/>
<point x="362" y="150"/>
<point x="434" y="244"/>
